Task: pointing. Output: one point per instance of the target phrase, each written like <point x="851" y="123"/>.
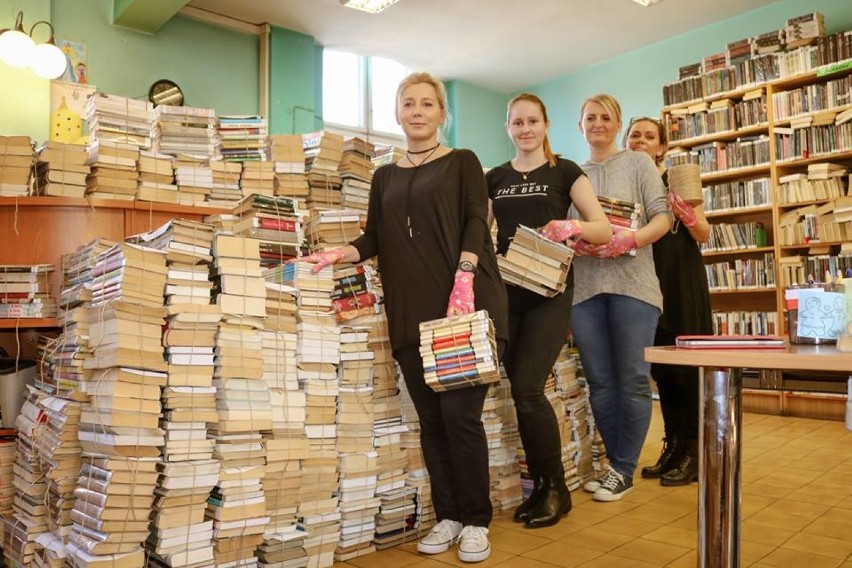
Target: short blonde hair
<point x="423" y="77"/>
<point x="609" y="103"/>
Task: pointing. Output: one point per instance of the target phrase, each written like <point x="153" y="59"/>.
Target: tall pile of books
<point x="236" y="504"/>
<point x="259" y="178"/>
<point x="417" y="476"/>
<point x="276" y="223"/>
<point x="17" y="163"/>
<point x="289" y="159"/>
<point x="25" y="291"/>
<point x="501" y="429"/>
<point x="332" y="228"/>
<point x="356" y="171"/>
<point x="114" y="173"/>
<point x="194" y="179"/>
<point x="185" y="130"/>
<point x="243" y="138"/>
<point x="61" y="170"/>
<point x="119" y="426"/>
<point x="7" y="488"/>
<point x="119" y="119"/>
<point x="323" y="151"/>
<point x="226" y="190"/>
<point x="536" y="263"/>
<point x="180" y="534"/>
<point x="286" y="443"/>
<point x="577" y="456"/>
<point x="157" y="178"/>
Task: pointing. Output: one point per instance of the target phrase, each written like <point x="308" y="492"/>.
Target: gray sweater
<point x="630" y="176"/>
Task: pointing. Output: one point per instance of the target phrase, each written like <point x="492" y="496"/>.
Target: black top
<point x="683" y="282"/>
<point x="544" y="195"/>
<point x="447" y="204"/>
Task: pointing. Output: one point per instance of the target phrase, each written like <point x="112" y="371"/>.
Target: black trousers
<point x="453" y="441"/>
<point x="678" y="387"/>
<point x="538" y="328"/>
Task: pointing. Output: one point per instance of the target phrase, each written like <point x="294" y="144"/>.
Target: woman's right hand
<point x="323" y="258"/>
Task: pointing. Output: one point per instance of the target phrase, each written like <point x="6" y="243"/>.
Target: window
<point x="359" y="96"/>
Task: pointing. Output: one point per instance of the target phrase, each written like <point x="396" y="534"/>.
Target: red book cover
<point x="354" y="302"/>
<point x="277" y="224"/>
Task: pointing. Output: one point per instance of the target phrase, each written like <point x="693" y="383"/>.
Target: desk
<point x="721" y="428"/>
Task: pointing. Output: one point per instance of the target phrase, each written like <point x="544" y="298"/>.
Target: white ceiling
<point x="504" y="45"/>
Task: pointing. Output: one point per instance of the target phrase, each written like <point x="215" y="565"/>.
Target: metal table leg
<point x="719" y="468"/>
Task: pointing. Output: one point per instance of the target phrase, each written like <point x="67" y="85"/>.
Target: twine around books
<point x="685" y="181"/>
<point x="536" y="263"/>
<point x="459" y="351"/>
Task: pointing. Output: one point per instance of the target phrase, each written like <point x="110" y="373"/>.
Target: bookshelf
<point x="41" y="229"/>
<point x="751" y="141"/>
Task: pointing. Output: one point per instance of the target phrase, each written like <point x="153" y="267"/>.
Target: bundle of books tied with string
<point x="459" y="351"/>
<point x="536" y="263"/>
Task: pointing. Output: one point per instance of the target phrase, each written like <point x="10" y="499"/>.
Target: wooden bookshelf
<point x="724" y="136"/>
<point x="735" y="173"/>
<point x="761" y="210"/>
<point x="28" y="323"/>
<point x="737" y="252"/>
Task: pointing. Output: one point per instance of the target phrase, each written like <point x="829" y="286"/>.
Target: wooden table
<point x="721" y="430"/>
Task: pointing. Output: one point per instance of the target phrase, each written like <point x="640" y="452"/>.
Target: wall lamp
<point x="18" y="49"/>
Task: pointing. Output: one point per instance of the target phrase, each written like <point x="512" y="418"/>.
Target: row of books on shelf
<point x="799" y="269"/>
<point x="822" y="182"/>
<point x="723" y="115"/>
<point x="745" y="152"/>
<point x="745" y="323"/>
<point x="739" y="194"/>
<point x="832" y="95"/>
<point x="829" y="222"/>
<point x="813" y="141"/>
<point x="735" y="236"/>
<point x="742" y="274"/>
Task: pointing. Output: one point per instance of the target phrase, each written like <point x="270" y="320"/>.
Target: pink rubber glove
<point x="682" y="210"/>
<point x="323" y="258"/>
<point x="560" y="231"/>
<point x="461" y="298"/>
<point x="623" y="241"/>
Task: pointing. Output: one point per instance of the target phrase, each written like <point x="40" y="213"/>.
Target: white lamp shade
<point x="16" y="48"/>
<point x="48" y="61"/>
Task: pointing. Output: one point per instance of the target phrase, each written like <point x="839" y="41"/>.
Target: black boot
<point x="672" y="448"/>
<point x="530" y="503"/>
<point x="555" y="502"/>
<point x="685" y="470"/>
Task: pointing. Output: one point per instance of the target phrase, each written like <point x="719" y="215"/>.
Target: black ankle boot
<point x="685" y="470"/>
<point x="530" y="503"/>
<point x="555" y="502"/>
<point x="672" y="448"/>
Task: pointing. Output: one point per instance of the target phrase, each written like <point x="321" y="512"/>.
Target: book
<point x="731" y="342"/>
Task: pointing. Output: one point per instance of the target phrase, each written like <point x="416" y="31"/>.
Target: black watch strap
<point x="467" y="266"/>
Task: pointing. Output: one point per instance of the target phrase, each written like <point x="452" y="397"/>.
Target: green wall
<point x="295" y="83"/>
<point x="478" y="123"/>
<point x="636" y="78"/>
<point x="215" y="67"/>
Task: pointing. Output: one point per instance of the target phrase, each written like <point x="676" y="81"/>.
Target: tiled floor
<point x="796" y="513"/>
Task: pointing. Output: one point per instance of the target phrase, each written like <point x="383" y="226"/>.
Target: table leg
<point x="719" y="468"/>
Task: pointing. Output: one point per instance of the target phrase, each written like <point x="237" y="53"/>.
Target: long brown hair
<point x="548" y="152"/>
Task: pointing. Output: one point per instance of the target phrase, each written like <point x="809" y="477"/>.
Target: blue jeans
<point x="611" y="332"/>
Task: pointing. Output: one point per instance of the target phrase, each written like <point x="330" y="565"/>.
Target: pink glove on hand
<point x="584" y="248"/>
<point x="461" y="298"/>
<point x="682" y="210"/>
<point x="324" y="258"/>
<point x="561" y="230"/>
<point x="623" y="241"/>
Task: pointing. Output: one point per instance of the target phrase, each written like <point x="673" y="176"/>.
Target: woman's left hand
<point x="461" y="298"/>
<point x="682" y="210"/>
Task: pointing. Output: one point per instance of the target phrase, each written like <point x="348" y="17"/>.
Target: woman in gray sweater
<point x="617" y="299"/>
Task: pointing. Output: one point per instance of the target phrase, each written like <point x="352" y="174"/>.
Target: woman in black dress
<point x="686" y="311"/>
<point x="427" y="223"/>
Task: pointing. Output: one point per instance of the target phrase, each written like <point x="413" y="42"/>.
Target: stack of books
<point x="395" y="520"/>
<point x="226" y="191"/>
<point x="114" y="173"/>
<point x="289" y="159"/>
<point x="459" y="351"/>
<point x="355" y="294"/>
<point x="804" y="30"/>
<point x="7" y="462"/>
<point x="185" y="130"/>
<point x="621" y="213"/>
<point x="157" y="178"/>
<point x="384" y="155"/>
<point x="194" y="178"/>
<point x="332" y="228"/>
<point x="536" y="263"/>
<point x="501" y="429"/>
<point x="25" y="291"/>
<point x="259" y="178"/>
<point x="276" y="222"/>
<point x="323" y="151"/>
<point x="358" y="503"/>
<point x="119" y="119"/>
<point x="243" y="138"/>
<point x="417" y="476"/>
<point x="62" y="170"/>
<point x="356" y="172"/>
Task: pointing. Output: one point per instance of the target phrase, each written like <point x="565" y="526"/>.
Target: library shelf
<point x="739" y="211"/>
<point x="735" y="173"/>
<point x="737" y="251"/>
<point x="823" y="157"/>
<point x="724" y="136"/>
<point x="812" y="245"/>
<point x="721" y="291"/>
<point x="28" y="323"/>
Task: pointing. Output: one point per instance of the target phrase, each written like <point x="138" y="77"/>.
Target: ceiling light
<point x="16" y="46"/>
<point x="646" y="3"/>
<point x="371" y="6"/>
<point x="18" y="49"/>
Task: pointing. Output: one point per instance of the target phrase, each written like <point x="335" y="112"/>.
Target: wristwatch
<point x="467" y="266"/>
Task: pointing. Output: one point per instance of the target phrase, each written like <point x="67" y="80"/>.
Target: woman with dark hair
<point x="686" y="311"/>
<point x="536" y="189"/>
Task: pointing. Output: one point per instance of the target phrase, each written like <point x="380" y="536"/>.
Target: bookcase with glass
<point x="769" y="122"/>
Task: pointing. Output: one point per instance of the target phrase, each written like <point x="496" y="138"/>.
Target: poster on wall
<point x="67" y="108"/>
<point x="75" y="53"/>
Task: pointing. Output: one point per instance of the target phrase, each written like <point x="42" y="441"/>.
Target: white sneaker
<point x="613" y="487"/>
<point x="595" y="484"/>
<point x="440" y="538"/>
<point x="474" y="545"/>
